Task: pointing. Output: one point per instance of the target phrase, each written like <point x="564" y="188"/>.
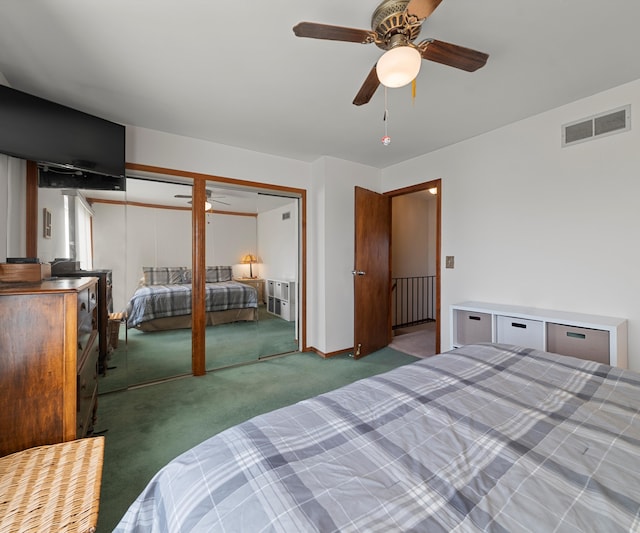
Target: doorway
<point x="415" y="268"/>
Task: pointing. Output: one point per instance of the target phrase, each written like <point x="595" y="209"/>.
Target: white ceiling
<point x="234" y="73"/>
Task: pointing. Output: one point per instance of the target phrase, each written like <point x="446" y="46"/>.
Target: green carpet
<point x="145" y="357"/>
<point x="149" y="426"/>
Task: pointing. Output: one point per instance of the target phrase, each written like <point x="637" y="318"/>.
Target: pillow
<point x="166" y="275"/>
<point x="218" y="273"/>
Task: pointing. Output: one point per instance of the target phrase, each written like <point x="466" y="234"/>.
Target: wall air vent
<point x="608" y="123"/>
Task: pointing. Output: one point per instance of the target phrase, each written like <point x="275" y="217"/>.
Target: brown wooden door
<point x="372" y="272"/>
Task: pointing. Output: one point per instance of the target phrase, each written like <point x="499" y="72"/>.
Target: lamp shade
<point x="249" y="258"/>
<point x="399" y="66"/>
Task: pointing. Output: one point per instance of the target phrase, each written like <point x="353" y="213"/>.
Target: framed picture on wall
<point x="46" y="223"/>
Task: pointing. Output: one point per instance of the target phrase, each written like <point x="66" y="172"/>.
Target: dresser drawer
<point x="87" y="317"/>
<point x="519" y="331"/>
<point x="87" y="391"/>
<point x="585" y="343"/>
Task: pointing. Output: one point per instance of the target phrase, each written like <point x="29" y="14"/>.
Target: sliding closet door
<point x="145" y="238"/>
<point x="158" y="276"/>
<point x="278" y="224"/>
<point x="233" y="285"/>
<point x="256" y="233"/>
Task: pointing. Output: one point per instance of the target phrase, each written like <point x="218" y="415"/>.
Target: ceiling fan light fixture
<point x="399" y="66"/>
<point x="207" y="206"/>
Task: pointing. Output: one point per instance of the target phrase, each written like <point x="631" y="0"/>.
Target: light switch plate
<point x="449" y="261"/>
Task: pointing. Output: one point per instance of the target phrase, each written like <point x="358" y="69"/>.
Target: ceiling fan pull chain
<point x="413" y="91"/>
<point x="386" y="140"/>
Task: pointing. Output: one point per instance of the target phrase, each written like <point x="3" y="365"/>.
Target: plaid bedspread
<point x="483" y="438"/>
<point x="160" y="301"/>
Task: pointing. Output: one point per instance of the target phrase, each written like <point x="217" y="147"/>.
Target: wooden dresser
<point x="48" y="362"/>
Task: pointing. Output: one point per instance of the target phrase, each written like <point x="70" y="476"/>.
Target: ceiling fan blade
<point x="453" y="55"/>
<point x="421" y="9"/>
<point x="219" y="202"/>
<point x="182" y="196"/>
<point x="333" y="33"/>
<point x="368" y="88"/>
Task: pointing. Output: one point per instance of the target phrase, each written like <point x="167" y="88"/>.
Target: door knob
<point x="358" y="272"/>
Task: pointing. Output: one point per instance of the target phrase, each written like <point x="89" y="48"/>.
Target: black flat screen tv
<point x="58" y="178"/>
<point x="48" y="133"/>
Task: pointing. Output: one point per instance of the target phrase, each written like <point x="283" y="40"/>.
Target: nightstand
<point x="257" y="284"/>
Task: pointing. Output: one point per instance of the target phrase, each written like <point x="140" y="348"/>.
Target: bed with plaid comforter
<point x="484" y="438"/>
<point x="150" y="302"/>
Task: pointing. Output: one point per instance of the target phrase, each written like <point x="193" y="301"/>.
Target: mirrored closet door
<point x="253" y="235"/>
<point x="251" y="243"/>
<point x="158" y="279"/>
<point x="232" y="295"/>
<point x="278" y="224"/>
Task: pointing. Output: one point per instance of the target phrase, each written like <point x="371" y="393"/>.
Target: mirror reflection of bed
<point x="159" y="319"/>
<point x="158" y="233"/>
<point x="147" y="226"/>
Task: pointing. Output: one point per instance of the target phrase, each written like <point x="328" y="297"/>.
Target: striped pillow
<point x="166" y="275"/>
<point x="218" y="273"/>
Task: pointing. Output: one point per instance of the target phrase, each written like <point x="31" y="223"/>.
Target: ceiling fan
<point x="210" y="198"/>
<point x="395" y="24"/>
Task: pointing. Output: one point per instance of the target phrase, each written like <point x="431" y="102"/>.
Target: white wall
<point x="173" y="151"/>
<point x="531" y="223"/>
<point x="278" y="244"/>
<point x="316" y="259"/>
<point x="229" y="238"/>
<point x="332" y="236"/>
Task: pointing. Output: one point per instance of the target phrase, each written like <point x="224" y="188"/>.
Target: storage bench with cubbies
<point x="597" y="338"/>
